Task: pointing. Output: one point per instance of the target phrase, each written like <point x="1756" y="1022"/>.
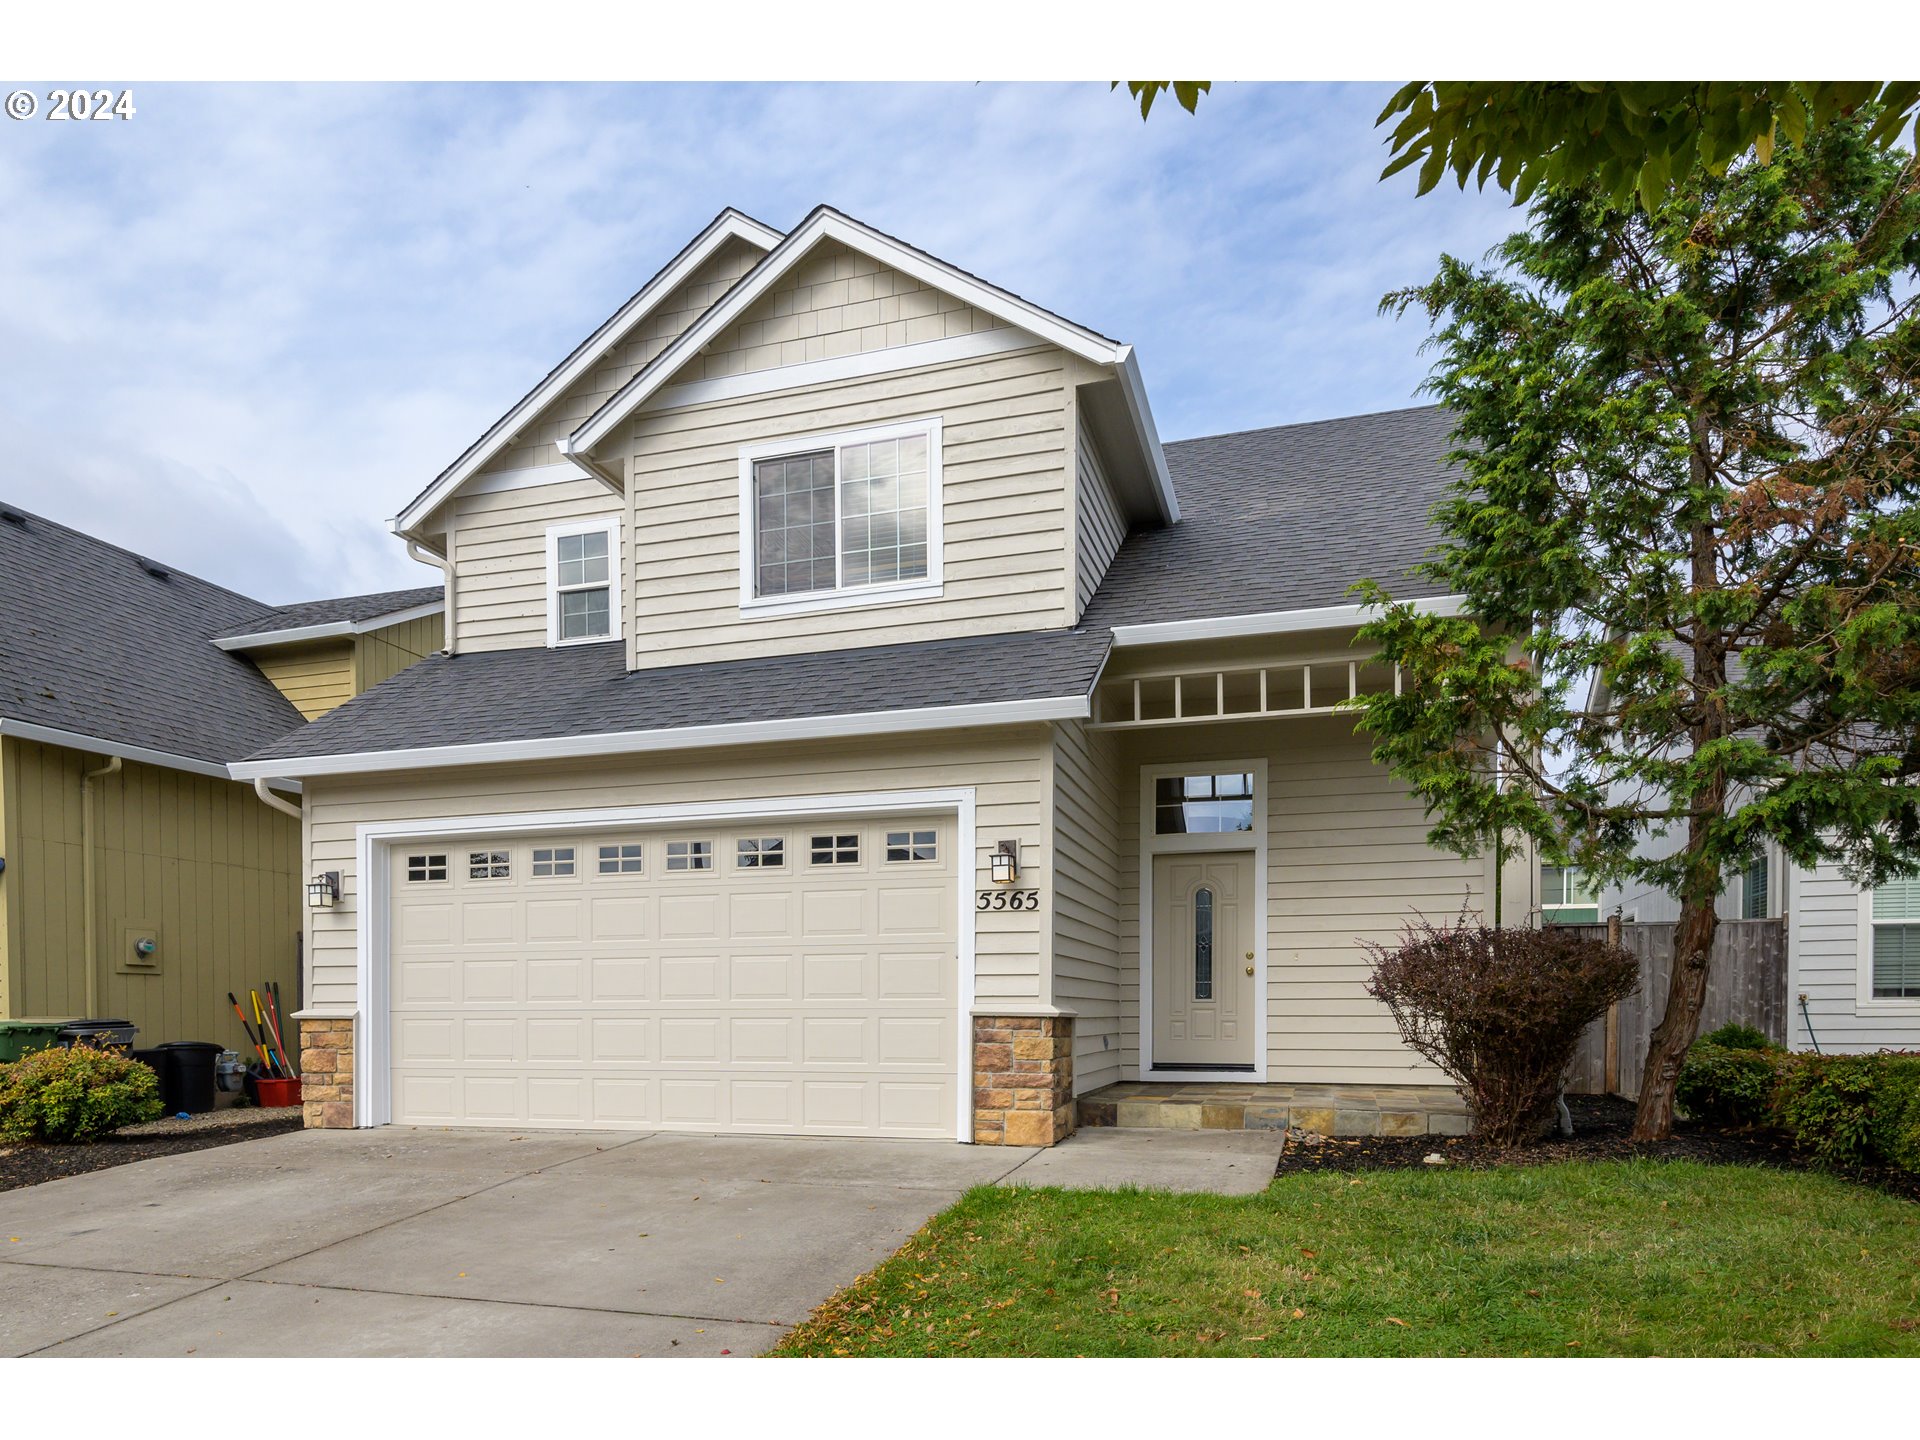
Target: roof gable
<point x="828" y="225"/>
<point x="630" y="326"/>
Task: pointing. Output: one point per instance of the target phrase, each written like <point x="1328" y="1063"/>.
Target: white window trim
<point x="1865" y="999"/>
<point x="370" y="892"/>
<point x="1153" y="844"/>
<point x="891" y="592"/>
<point x="1550" y="911"/>
<point x="610" y="526"/>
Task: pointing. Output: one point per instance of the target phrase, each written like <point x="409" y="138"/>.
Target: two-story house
<point x="855" y="721"/>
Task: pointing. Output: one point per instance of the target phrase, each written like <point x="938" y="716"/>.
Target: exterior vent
<point x="155" y="569"/>
<point x="13" y="517"/>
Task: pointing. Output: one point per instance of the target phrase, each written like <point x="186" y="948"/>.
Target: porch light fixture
<point x="1006" y="862"/>
<point x="323" y="891"/>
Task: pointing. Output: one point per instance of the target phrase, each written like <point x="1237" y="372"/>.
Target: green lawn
<point x="1615" y="1258"/>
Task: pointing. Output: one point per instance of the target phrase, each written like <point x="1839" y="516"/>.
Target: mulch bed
<point x="1601" y="1127"/>
<point x="22" y="1165"/>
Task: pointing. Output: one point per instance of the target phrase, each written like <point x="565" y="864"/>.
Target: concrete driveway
<point x="430" y="1242"/>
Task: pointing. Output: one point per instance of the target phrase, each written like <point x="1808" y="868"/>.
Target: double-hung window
<point x="1893" y="924"/>
<point x="838" y="519"/>
<point x="583" y="569"/>
<point x="1568" y="896"/>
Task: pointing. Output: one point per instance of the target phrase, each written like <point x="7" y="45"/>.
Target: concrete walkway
<point x="481" y="1243"/>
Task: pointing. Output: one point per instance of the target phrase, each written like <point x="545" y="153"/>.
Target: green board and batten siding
<point x="201" y="859"/>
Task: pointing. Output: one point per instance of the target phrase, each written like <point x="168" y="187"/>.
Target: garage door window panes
<point x="910" y="845"/>
<point x="489" y="865"/>
<point x="620" y="859"/>
<point x="552" y="863"/>
<point x="424" y="868"/>
<point x="689" y="855"/>
<point x="767" y="853"/>
<point x="835" y="849"/>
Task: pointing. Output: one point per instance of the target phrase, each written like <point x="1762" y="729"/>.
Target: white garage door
<point x="776" y="978"/>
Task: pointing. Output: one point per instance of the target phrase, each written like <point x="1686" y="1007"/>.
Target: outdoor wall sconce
<point x="323" y="891"/>
<point x="1006" y="862"/>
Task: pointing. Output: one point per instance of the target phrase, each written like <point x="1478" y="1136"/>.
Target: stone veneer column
<point x="1022" y="1079"/>
<point x="326" y="1073"/>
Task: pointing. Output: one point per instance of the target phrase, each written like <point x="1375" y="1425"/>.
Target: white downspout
<point x="267" y="797"/>
<point x="445" y="567"/>
<point x="89" y="927"/>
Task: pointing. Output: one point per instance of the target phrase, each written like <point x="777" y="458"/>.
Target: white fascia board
<point x="684" y="737"/>
<point x="94" y="745"/>
<point x="1134" y="389"/>
<point x="332" y="629"/>
<point x="1274" y="622"/>
<point x="730" y="225"/>
<point x="825" y="224"/>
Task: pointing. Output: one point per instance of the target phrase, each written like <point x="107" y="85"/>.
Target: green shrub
<point x="1853" y="1109"/>
<point x="1728" y="1085"/>
<point x="1736" y="1036"/>
<point x="72" y="1096"/>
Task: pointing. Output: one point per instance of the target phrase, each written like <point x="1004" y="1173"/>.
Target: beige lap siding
<point x="1347" y="862"/>
<point x="1086" y="900"/>
<point x="1101" y="527"/>
<point x="1005" y="452"/>
<point x="499" y="545"/>
<point x="1007" y="771"/>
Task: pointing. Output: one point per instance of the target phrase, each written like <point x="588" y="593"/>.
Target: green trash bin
<point x="23" y="1037"/>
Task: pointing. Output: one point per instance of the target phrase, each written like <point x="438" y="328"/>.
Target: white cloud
<point x="243" y="328"/>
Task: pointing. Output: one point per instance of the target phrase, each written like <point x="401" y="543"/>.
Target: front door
<point x="1204" y="985"/>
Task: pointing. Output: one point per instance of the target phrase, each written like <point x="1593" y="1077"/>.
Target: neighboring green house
<point x="125" y="689"/>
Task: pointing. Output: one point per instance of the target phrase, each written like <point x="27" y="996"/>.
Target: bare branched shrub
<point x="1500" y="1011"/>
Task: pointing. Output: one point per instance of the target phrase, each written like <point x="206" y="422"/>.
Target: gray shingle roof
<point x="537" y="693"/>
<point x="1286" y="519"/>
<point x="91" y="642"/>
<point x="349" y="609"/>
<point x="1280" y="519"/>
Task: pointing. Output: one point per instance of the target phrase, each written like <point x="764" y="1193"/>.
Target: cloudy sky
<point x="239" y="330"/>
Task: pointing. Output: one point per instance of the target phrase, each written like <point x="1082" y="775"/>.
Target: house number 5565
<point x="1007" y="900"/>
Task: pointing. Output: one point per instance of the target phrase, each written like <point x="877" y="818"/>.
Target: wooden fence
<point x="1746" y="982"/>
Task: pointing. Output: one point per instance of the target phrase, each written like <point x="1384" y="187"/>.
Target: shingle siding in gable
<point x="834" y="302"/>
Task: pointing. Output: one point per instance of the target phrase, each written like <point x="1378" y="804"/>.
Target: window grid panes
<point x="794" y="524"/>
<point x="909" y="845"/>
<point x="689" y="855"/>
<point x="584" y="588"/>
<point x="422" y="868"/>
<point x="834" y="849"/>
<point x="1203" y="944"/>
<point x="620" y="859"/>
<point x="883" y="532"/>
<point x="1896" y="940"/>
<point x="1203" y="804"/>
<point x="842" y="518"/>
<point x="489" y="865"/>
<point x="767" y="853"/>
<point x="551" y="863"/>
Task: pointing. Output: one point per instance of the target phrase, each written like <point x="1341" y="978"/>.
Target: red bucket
<point x="277" y="1094"/>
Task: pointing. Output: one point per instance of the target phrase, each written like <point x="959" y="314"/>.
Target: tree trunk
<point x="1686" y="994"/>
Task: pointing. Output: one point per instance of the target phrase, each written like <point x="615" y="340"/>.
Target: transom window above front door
<point x="843" y="519"/>
<point x="1202" y="804"/>
<point x="583" y="561"/>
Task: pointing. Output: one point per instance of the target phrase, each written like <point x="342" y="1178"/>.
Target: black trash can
<point x="156" y="1061"/>
<point x="188" y="1081"/>
<point x="101" y="1034"/>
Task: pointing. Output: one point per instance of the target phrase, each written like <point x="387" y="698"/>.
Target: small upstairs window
<point x="1568" y="896"/>
<point x="583" y="564"/>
